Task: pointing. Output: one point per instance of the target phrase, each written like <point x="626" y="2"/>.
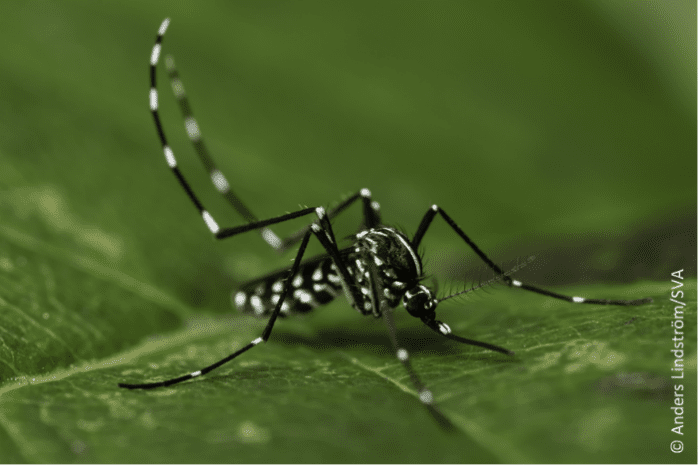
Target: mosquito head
<point x="420" y="302"/>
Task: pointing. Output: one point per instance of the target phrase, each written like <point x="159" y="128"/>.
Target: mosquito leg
<point x="424" y="394"/>
<point x="261" y="339"/>
<point x="194" y="134"/>
<point x="323" y="232"/>
<point x="218" y="179"/>
<point x="371" y="213"/>
<point x="434" y="210"/>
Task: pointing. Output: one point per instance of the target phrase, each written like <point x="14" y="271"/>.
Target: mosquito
<point x="380" y="270"/>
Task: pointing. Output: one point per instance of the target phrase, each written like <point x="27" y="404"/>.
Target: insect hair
<point x="460" y="290"/>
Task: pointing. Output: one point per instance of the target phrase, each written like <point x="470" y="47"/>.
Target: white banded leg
<point x="378" y="302"/>
<point x="324" y="233"/>
<point x="194" y="374"/>
<point x="424" y="394"/>
<point x="371" y="213"/>
<point x="261" y="339"/>
<point x="434" y="210"/>
<point x="218" y="179"/>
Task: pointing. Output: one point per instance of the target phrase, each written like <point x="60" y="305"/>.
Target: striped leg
<point x="378" y="301"/>
<point x="323" y="232"/>
<point x="371" y="212"/>
<point x="371" y="209"/>
<point x="424" y="394"/>
<point x="432" y="212"/>
<point x="194" y="134"/>
<point x="262" y="338"/>
<point x="444" y="330"/>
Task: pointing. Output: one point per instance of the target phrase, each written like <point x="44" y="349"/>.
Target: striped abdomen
<point x="316" y="283"/>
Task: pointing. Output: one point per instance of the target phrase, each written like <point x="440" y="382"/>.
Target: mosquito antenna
<point x="380" y="270"/>
<point x="495" y="279"/>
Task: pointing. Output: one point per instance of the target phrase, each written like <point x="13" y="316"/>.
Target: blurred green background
<point x="564" y="130"/>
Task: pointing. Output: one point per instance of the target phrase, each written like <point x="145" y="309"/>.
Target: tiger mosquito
<point x="379" y="271"/>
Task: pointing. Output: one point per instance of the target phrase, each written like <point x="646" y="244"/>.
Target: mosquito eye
<point x="382" y="261"/>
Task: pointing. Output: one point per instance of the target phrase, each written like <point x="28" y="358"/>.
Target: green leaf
<point x="330" y="388"/>
<point x="561" y="130"/>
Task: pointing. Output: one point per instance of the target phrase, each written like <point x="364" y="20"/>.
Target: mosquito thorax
<point x="377" y="272"/>
<point x="420" y="302"/>
<point x="386" y="254"/>
<point x="391" y="251"/>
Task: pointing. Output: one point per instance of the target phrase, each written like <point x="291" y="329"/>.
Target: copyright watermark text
<point x="678" y="350"/>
